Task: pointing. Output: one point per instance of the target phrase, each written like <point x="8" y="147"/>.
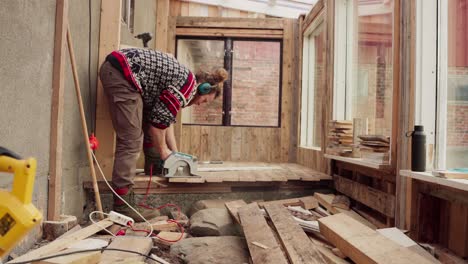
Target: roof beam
<point x="277" y="8"/>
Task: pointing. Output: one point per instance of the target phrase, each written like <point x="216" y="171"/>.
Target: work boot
<point x="129" y="196"/>
<point x="152" y="158"/>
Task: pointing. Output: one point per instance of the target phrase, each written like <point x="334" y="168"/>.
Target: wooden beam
<point x="109" y="40"/>
<point x="162" y="22"/>
<point x="222" y="32"/>
<point x="227" y="22"/>
<point x="377" y="200"/>
<point x="63" y="243"/>
<point x="257" y="230"/>
<point x="298" y="246"/>
<point x="142" y="245"/>
<point x="56" y="130"/>
<point x="233" y="208"/>
<point x="364" y="245"/>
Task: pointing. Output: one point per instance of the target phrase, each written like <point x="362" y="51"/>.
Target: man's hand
<point x="165" y="153"/>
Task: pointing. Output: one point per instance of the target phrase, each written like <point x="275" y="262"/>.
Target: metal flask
<point x="418" y="149"/>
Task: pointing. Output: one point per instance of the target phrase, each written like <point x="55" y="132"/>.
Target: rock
<point x="213" y="222"/>
<point x="214" y="250"/>
<point x="53" y="229"/>
<point x="206" y="204"/>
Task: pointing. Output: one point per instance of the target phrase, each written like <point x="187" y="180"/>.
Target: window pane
<point x="255" y="83"/>
<point x="202" y="55"/>
<point x="457" y="85"/>
<point x="372" y="73"/>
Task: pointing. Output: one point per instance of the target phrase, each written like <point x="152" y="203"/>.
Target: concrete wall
<point x="144" y="20"/>
<point x="26" y="49"/>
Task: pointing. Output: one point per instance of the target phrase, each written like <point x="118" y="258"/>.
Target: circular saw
<point x="180" y="165"/>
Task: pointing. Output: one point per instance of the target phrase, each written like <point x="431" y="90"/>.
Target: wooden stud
<point x="109" y="40"/>
<point x="162" y="22"/>
<point x="226" y="22"/>
<point x="56" y="130"/>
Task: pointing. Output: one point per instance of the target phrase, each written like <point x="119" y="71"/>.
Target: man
<point x="148" y="87"/>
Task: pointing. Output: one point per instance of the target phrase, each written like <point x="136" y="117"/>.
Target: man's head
<point x="209" y="86"/>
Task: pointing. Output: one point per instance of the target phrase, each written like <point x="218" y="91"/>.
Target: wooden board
<point x="226" y="22"/>
<point x="138" y="244"/>
<point x="298" y="246"/>
<point x="79" y="258"/>
<point x="109" y="40"/>
<point x="162" y="22"/>
<point x="60" y="244"/>
<point x="56" y="130"/>
<point x="233" y="208"/>
<point x="223" y="32"/>
<point x="257" y="230"/>
<point x="364" y="245"/>
<point x="375" y="199"/>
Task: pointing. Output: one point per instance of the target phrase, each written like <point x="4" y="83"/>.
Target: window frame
<point x="227" y="87"/>
<point x="307" y="132"/>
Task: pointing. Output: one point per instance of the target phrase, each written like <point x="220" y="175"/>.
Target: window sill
<point x="312" y="148"/>
<point x="461" y="184"/>
<point x="360" y="162"/>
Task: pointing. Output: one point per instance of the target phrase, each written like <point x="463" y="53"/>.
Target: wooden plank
<point x="63" y="243"/>
<point x="377" y="200"/>
<point x="162" y="23"/>
<point x="226" y="22"/>
<point x="257" y="230"/>
<point x="326" y="201"/>
<point x="318" y="7"/>
<point x="298" y="246"/>
<point x="79" y="258"/>
<point x="364" y="245"/>
<point x="56" y="130"/>
<point x="233" y="208"/>
<point x="241" y="33"/>
<point x="309" y="202"/>
<point x="142" y="245"/>
<point x="175" y="6"/>
<point x="109" y="40"/>
<point x="286" y="90"/>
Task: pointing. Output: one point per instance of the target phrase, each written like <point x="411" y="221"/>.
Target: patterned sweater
<point x="165" y="84"/>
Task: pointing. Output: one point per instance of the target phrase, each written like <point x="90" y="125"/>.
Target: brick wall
<point x="457" y="110"/>
<point x="255" y="85"/>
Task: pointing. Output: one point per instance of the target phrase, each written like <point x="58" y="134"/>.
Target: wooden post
<point x="56" y="130"/>
<point x="109" y="40"/>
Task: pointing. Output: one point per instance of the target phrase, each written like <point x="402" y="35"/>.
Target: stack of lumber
<point x="340" y="138"/>
<point x="324" y="230"/>
<point x="375" y="148"/>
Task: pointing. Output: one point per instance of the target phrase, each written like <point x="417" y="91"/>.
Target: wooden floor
<point x="231" y="176"/>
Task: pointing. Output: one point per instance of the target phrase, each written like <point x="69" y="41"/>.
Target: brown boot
<point x="129" y="196"/>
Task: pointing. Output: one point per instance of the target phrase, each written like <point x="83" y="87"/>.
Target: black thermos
<point x="418" y="149"/>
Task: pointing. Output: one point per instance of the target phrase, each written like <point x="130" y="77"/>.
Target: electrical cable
<point x="116" y="194"/>
<point x="84" y="251"/>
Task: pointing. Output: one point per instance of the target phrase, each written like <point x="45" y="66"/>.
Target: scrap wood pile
<point x="312" y="229"/>
<point x="320" y="229"/>
<point x="375" y="148"/>
<point x="340" y="138"/>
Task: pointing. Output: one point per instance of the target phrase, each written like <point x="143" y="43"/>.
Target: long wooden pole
<point x="83" y="123"/>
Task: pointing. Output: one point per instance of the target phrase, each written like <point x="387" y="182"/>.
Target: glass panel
<point x="255" y="83"/>
<point x="372" y="71"/>
<point x="319" y="83"/>
<point x="457" y="85"/>
<point x="202" y="55"/>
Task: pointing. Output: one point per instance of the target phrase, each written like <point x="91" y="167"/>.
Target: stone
<point x="214" y="250"/>
<point x="213" y="222"/>
<point x="53" y="229"/>
<point x="206" y="204"/>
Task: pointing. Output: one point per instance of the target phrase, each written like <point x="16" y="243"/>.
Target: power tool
<point x="180" y="165"/>
<point x="17" y="214"/>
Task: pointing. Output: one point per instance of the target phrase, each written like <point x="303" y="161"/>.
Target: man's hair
<point x="215" y="78"/>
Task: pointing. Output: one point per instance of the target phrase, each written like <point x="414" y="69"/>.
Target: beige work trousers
<point x="126" y="110"/>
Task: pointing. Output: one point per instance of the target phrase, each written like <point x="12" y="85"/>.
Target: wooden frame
<point x="194" y="138"/>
